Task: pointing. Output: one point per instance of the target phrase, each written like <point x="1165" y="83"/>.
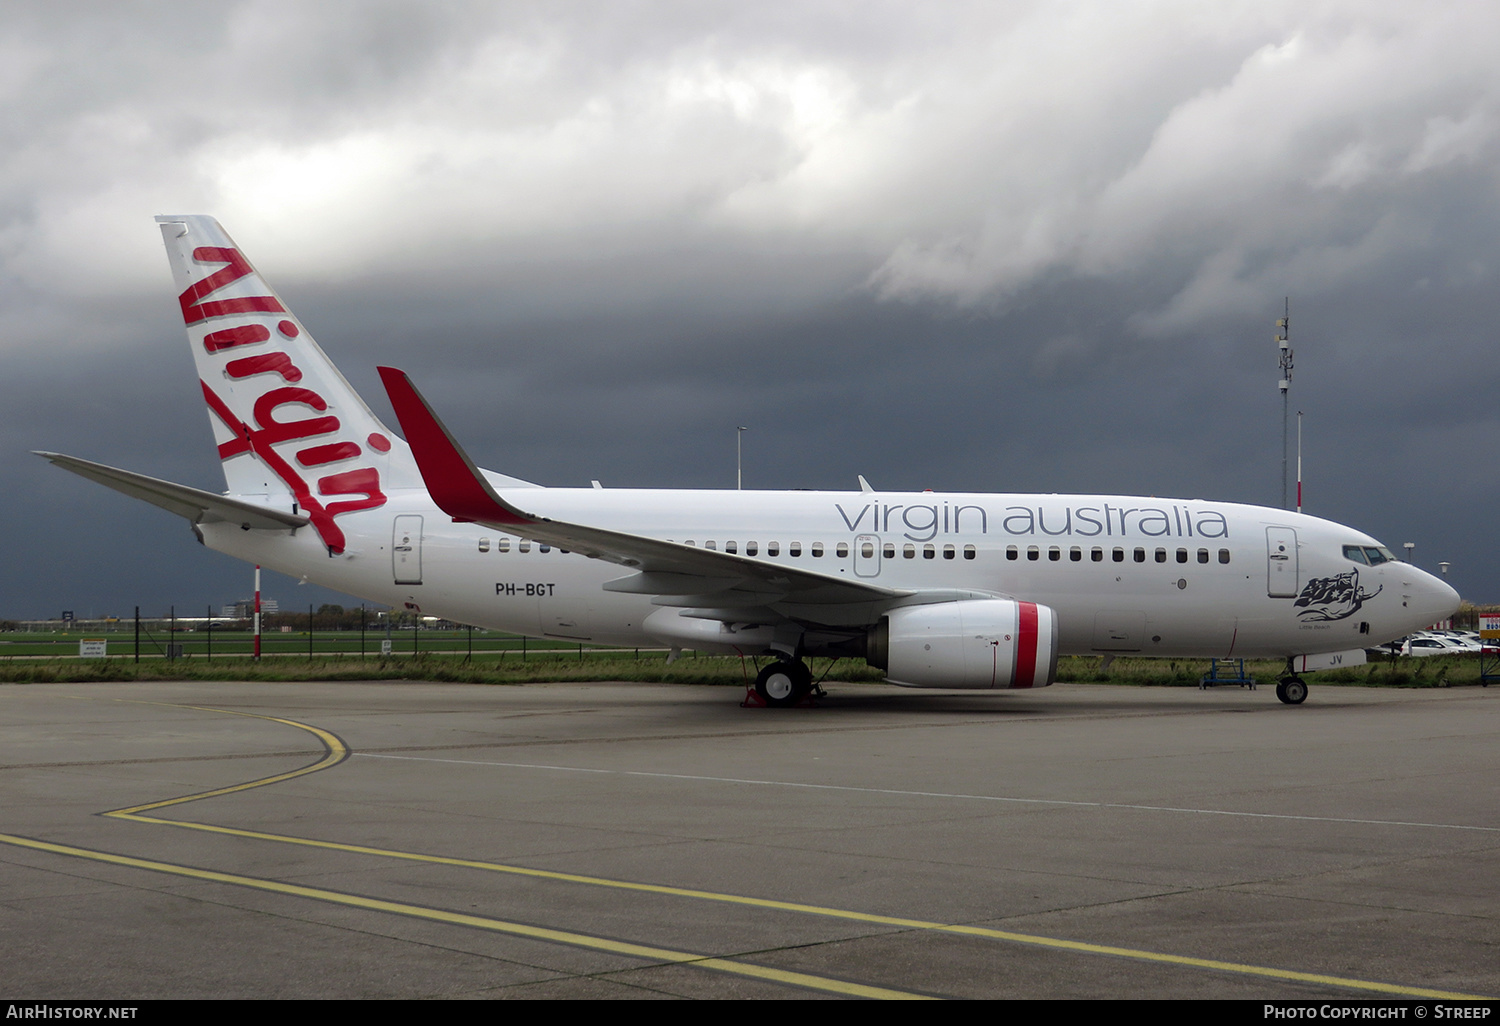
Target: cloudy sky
<point x="979" y="246"/>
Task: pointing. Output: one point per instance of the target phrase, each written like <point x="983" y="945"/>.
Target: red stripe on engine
<point x="1026" y="646"/>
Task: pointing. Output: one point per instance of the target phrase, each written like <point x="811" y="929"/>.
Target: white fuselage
<point x="962" y="590"/>
<point x="1160" y="577"/>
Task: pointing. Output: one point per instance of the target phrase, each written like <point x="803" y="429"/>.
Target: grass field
<point x="498" y="658"/>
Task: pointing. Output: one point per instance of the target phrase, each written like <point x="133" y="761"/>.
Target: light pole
<point x="1409" y="547"/>
<point x="739" y="474"/>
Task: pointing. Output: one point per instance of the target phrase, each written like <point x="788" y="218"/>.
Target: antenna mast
<point x="1283" y="337"/>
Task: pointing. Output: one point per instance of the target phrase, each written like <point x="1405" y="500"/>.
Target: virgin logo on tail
<point x="193" y="307"/>
<point x="271" y="427"/>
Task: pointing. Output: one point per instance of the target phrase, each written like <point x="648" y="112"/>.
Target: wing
<point x="709" y="584"/>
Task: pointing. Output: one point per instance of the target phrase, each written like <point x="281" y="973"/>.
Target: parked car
<point x="1430" y="646"/>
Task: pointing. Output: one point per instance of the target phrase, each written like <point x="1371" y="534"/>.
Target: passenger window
<point x="888" y="550"/>
<point x="1097" y="555"/>
<point x="503" y="545"/>
<point x="484" y="545"/>
<point x="1203" y="555"/>
<point x="773" y="548"/>
<point x="751" y="548"/>
<point x="795" y="549"/>
<point x="1161" y="555"/>
<point x="817" y="550"/>
<point x="689" y="543"/>
<point x="1033" y="553"/>
<point x="1223" y="555"/>
<point x="524" y="546"/>
<point x="842" y="551"/>
<point x="1011" y="552"/>
<point x="731" y="547"/>
<point x="1054" y="553"/>
<point x="948" y="552"/>
<point x="544" y="547"/>
<point x="866" y="549"/>
<point x="969" y="552"/>
<point x="1182" y="555"/>
<point x="1140" y="555"/>
<point x="711" y="545"/>
<point x="1119" y="555"/>
<point x="1075" y="554"/>
<point x="908" y="552"/>
<point x="929" y="552"/>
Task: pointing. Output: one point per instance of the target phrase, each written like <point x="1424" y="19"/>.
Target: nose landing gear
<point x="1291" y="689"/>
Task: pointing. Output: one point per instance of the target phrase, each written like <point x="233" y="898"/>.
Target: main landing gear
<point x="1291" y="688"/>
<point x="784" y="683"/>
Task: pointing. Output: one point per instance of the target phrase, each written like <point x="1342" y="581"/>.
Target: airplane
<point x="956" y="590"/>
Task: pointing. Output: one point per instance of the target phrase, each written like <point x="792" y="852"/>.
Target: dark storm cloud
<point x="1029" y="246"/>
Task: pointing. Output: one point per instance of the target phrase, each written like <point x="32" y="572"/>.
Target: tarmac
<point x="426" y="840"/>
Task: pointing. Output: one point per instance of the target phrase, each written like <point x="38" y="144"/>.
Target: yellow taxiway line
<point x="665" y="956"/>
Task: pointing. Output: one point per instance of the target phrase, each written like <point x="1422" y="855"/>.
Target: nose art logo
<point x="1333" y="598"/>
<point x="269" y="430"/>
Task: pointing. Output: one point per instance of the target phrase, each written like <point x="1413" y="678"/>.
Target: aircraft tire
<point x="1292" y="691"/>
<point x="783" y="683"/>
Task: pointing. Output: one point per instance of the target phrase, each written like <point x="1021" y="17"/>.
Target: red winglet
<point x="454" y="483"/>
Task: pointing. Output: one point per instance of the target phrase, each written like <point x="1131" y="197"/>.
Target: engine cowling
<point x="975" y="643"/>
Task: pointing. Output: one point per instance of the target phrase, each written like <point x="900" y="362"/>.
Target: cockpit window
<point x="1374" y="555"/>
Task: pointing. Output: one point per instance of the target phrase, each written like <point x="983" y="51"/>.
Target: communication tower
<point x="1283" y="344"/>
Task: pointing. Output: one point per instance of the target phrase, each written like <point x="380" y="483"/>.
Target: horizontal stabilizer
<point x="198" y="506"/>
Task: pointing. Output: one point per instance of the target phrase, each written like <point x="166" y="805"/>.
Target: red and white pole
<point x="1299" y="461"/>
<point x="257" y="612"/>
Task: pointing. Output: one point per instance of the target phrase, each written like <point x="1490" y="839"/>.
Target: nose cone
<point x="1429" y="598"/>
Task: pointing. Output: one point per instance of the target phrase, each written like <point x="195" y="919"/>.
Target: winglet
<point x="452" y="479"/>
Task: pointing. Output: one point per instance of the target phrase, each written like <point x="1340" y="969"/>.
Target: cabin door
<point x="406" y="549"/>
<point x="1281" y="562"/>
<point x="867" y="555"/>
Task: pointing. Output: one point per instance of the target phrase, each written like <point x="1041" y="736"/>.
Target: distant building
<point x="245" y="608"/>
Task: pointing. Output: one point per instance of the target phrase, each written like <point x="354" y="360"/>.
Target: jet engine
<point x="975" y="643"/>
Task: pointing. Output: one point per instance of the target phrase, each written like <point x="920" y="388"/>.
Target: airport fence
<point x="157" y="641"/>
